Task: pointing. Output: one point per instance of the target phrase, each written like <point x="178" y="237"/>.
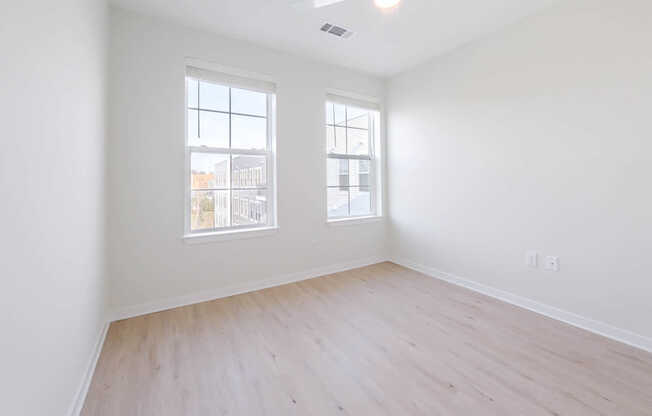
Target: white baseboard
<point x="80" y="397"/>
<point x="175" y="302"/>
<point x="600" y="328"/>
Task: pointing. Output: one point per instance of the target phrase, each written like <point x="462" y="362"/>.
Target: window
<point x="351" y="141"/>
<point x="229" y="152"/>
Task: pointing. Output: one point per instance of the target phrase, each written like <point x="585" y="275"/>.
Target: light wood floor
<point x="381" y="340"/>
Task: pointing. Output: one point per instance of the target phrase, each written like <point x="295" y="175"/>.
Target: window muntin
<point x="351" y="184"/>
<point x="230" y="158"/>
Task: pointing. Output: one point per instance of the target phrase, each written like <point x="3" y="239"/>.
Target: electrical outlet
<point x="552" y="264"/>
<point x="532" y="259"/>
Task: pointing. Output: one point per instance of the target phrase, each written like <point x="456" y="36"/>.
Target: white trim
<point x="600" y="328"/>
<point x="343" y="222"/>
<point x="232" y="234"/>
<point x="349" y="157"/>
<point x="224" y="150"/>
<point x="82" y="391"/>
<point x="353" y="99"/>
<point x="224" y="75"/>
<point x="236" y="289"/>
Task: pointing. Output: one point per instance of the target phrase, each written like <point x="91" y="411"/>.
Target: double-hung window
<point x="229" y="153"/>
<point x="351" y="144"/>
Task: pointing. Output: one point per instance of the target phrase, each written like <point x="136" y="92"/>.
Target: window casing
<point x="351" y="145"/>
<point x="230" y="156"/>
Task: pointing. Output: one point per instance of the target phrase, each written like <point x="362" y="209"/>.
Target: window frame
<point x="374" y="175"/>
<point x="269" y="153"/>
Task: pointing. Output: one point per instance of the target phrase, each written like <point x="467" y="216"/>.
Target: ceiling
<point x="385" y="42"/>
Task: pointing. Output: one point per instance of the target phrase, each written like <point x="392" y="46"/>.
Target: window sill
<point x="216" y="237"/>
<point x="342" y="222"/>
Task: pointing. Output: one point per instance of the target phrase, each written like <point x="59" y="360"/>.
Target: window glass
<point x="336" y="139"/>
<point x="193" y="93"/>
<point x="202" y="206"/>
<point x="213" y="97"/>
<point x="248" y="132"/>
<point x="357" y="141"/>
<point x="357" y="118"/>
<point x="251" y="207"/>
<point x="360" y="201"/>
<point x="213" y="130"/>
<point x="228" y="145"/>
<point x="335" y="114"/>
<point x="338" y="203"/>
<point x="209" y="171"/>
<point x="249" y="171"/>
<point x="248" y="102"/>
<point x="350" y="183"/>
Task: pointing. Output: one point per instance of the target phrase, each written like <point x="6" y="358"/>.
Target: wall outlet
<point x="552" y="264"/>
<point x="532" y="259"/>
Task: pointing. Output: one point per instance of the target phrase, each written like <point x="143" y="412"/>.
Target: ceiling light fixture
<point x="381" y="4"/>
<point x="386" y="4"/>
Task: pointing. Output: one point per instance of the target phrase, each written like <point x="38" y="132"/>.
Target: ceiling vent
<point x="338" y="31"/>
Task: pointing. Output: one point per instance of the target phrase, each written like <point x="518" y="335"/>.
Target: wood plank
<point x="381" y="340"/>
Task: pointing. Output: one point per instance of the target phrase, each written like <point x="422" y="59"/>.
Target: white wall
<point x="149" y="261"/>
<point x="52" y="287"/>
<point x="537" y="137"/>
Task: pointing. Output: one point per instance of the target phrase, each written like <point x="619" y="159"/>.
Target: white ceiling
<point x="385" y="42"/>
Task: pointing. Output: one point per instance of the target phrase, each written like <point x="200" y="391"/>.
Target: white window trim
<point x="375" y="165"/>
<point x="343" y="222"/>
<point x="353" y="99"/>
<point x="239" y="234"/>
<point x="233" y="232"/>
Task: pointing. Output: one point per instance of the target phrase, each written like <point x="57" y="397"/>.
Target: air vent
<point x="338" y="31"/>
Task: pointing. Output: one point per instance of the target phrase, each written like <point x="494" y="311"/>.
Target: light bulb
<point x="386" y="4"/>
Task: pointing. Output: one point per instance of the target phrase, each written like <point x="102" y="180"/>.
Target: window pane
<point x="209" y="170"/>
<point x="222" y="209"/>
<point x="329" y="113"/>
<point x="202" y="208"/>
<point x="213" y="130"/>
<point x="338" y="172"/>
<point x="359" y="173"/>
<point x="249" y="207"/>
<point x="248" y="132"/>
<point x="360" y="201"/>
<point x="336" y="139"/>
<point x="358" y="142"/>
<point x="357" y="117"/>
<point x="248" y="102"/>
<point x="213" y="97"/>
<point x="249" y="171"/>
<point x="338" y="203"/>
<point x="193" y="94"/>
<point x="209" y="210"/>
<point x="339" y="114"/>
<point x="193" y="127"/>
